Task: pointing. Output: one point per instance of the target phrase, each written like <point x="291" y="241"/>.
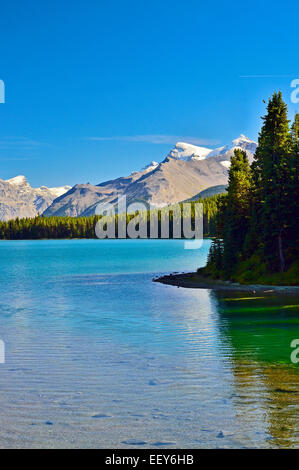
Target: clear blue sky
<point x="127" y="72"/>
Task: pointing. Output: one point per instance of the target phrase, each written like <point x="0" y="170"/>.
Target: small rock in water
<point x="49" y="423"/>
<point x="225" y="434"/>
<point x="153" y="382"/>
<point x="98" y="416"/>
<point x="160" y="444"/>
<point x="134" y="442"/>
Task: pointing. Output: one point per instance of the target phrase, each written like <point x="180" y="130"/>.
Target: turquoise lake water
<point x="99" y="356"/>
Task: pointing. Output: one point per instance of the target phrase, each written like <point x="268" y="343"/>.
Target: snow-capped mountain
<point x="22" y="183"/>
<point x="185" y="151"/>
<point x="19" y="199"/>
<point x="186" y="171"/>
<point x="18" y="181"/>
<point x="242" y="142"/>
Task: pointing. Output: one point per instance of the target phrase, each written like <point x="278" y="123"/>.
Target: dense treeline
<point x="84" y="227"/>
<point x="257" y="234"/>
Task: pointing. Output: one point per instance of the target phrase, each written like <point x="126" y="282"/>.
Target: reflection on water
<point x="259" y="331"/>
<point x="276" y="389"/>
<point x="99" y="356"/>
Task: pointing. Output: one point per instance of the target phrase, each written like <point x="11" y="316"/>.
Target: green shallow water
<point x="261" y="328"/>
<point x="97" y="355"/>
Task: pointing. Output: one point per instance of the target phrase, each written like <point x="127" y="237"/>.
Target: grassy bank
<point x="253" y="270"/>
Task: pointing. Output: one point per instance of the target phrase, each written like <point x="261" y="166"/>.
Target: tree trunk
<point x="281" y="257"/>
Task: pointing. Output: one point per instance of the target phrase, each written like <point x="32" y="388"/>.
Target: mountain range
<point x="187" y="172"/>
<point x="19" y="199"/>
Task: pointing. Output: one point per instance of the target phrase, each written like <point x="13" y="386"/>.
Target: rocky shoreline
<point x="195" y="281"/>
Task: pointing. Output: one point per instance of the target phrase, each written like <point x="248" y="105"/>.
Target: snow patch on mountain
<point x="57" y="192"/>
<point x="242" y="142"/>
<point x="151" y="166"/>
<point x="147" y="168"/>
<point x="19" y="180"/>
<point x="225" y="163"/>
<point x="185" y="151"/>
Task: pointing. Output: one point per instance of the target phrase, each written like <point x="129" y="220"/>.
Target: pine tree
<point x="237" y="210"/>
<point x="270" y="171"/>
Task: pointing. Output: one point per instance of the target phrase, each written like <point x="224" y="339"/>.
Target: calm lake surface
<point x="97" y="355"/>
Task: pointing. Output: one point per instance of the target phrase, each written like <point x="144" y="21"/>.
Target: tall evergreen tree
<point x="237" y="210"/>
<point x="271" y="172"/>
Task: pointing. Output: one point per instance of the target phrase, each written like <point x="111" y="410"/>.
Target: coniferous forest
<point x="84" y="227"/>
<point x="257" y="226"/>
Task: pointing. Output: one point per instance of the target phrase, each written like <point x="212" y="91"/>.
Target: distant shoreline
<point x="195" y="281"/>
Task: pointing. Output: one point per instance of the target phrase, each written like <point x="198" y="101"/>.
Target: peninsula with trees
<point x="257" y="222"/>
